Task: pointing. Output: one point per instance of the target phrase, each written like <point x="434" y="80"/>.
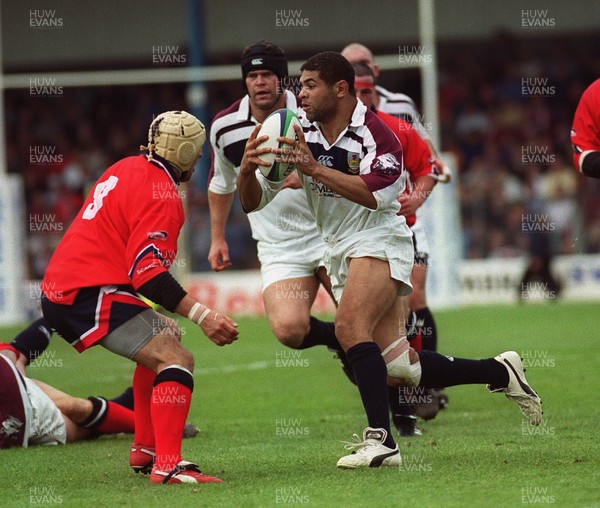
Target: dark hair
<point x="332" y="67"/>
<point x="264" y="55"/>
<point x="362" y="69"/>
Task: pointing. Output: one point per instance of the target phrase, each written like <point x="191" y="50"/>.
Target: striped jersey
<point x="288" y="219"/>
<point x="125" y="233"/>
<point x="402" y="106"/>
<point x="367" y="148"/>
<point x="418" y="159"/>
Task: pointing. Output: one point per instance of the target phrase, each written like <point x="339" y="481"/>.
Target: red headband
<point x="362" y="85"/>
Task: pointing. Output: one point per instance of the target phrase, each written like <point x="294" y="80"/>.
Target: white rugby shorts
<point x="386" y="241"/>
<point x="47" y="425"/>
<point x="290" y="259"/>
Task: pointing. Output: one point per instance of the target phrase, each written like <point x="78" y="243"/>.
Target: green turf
<point x="251" y="396"/>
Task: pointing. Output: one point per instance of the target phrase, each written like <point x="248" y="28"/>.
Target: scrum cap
<point x="264" y="55"/>
<point x="177" y="137"/>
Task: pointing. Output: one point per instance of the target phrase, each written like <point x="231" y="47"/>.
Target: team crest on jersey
<point x="353" y="162"/>
<point x="10" y="426"/>
<point x="157" y="235"/>
<point x="387" y="164"/>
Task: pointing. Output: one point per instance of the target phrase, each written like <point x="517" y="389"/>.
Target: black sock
<point x="439" y="370"/>
<point x="428" y="329"/>
<point x="394" y="399"/>
<point x="125" y="399"/>
<point x="34" y="340"/>
<point x="399" y="404"/>
<point x="98" y="414"/>
<point x="371" y="377"/>
<point x="320" y="333"/>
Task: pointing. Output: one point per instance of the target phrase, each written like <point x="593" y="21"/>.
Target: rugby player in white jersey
<point x="369" y="253"/>
<point x="290" y="248"/>
<point x="420" y="317"/>
<point x="402" y="106"/>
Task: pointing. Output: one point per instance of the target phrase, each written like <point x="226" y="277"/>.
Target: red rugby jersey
<point x="418" y="159"/>
<point x="125" y="233"/>
<point x="585" y="132"/>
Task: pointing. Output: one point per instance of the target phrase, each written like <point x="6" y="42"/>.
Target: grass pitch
<point x="271" y="420"/>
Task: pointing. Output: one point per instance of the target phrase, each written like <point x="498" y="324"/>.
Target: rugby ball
<point x="280" y="123"/>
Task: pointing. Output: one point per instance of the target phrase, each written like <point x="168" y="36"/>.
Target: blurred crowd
<point x="506" y="107"/>
<point x="506" y="110"/>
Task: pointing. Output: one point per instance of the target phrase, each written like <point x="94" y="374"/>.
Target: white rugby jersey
<point x="288" y="219"/>
<point x="367" y="148"/>
<point x="402" y="106"/>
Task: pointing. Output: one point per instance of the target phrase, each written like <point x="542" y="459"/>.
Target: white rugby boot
<point x="370" y="452"/>
<point x="518" y="389"/>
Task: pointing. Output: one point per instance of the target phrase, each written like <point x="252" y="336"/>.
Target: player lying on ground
<point x="33" y="412"/>
<point x="369" y="252"/>
<point x="92" y="416"/>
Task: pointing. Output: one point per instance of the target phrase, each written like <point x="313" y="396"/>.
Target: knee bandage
<point x="398" y="363"/>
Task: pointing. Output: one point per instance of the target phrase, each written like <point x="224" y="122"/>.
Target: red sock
<point x="171" y="399"/>
<point x="117" y="419"/>
<point x="143" y="382"/>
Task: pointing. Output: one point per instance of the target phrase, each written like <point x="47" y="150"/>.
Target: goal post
<point x="12" y="224"/>
<point x="441" y="212"/>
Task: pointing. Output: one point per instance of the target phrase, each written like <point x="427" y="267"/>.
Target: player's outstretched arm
<point x="220" y="206"/>
<point x="216" y="326"/>
<point x="166" y="291"/>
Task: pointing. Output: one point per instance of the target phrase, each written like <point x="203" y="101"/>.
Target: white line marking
<point x="261" y="365"/>
<point x="226" y="369"/>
